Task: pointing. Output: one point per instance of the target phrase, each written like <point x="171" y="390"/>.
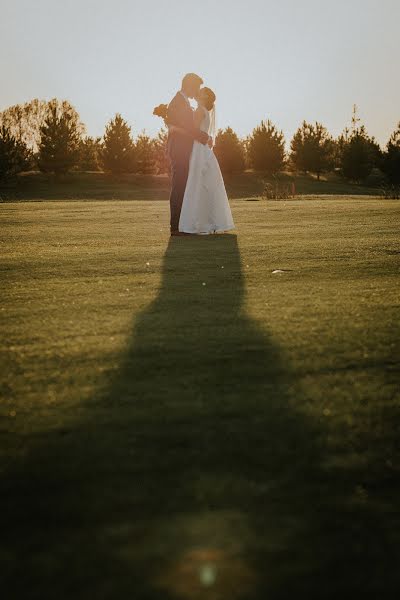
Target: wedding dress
<point x="205" y="206"/>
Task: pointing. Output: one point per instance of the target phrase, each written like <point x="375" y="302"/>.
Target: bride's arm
<point x="183" y="131"/>
<point x="178" y="129"/>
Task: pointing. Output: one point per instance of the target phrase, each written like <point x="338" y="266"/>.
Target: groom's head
<point x="191" y="85"/>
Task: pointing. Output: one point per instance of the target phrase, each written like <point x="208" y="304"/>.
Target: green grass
<point x="99" y="186"/>
<point x="165" y="439"/>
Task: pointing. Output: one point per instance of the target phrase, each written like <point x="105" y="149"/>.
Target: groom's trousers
<point x="179" y="174"/>
<point x="179" y="157"/>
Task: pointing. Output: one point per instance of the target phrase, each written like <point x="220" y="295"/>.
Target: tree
<point x="118" y="148"/>
<point x="312" y="148"/>
<point x="229" y="151"/>
<point x="266" y="148"/>
<point x="60" y="137"/>
<point x="25" y="120"/>
<point x="391" y="157"/>
<point x="145" y="161"/>
<point x="358" y="155"/>
<point x="160" y="152"/>
<point x="14" y="155"/>
<point x="89" y="154"/>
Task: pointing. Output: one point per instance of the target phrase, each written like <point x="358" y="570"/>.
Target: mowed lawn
<point x="179" y="421"/>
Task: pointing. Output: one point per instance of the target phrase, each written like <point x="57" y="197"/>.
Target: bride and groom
<point x="198" y="200"/>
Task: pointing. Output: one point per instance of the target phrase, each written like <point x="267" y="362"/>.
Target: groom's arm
<point x="174" y="117"/>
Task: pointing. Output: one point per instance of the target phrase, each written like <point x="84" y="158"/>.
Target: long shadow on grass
<point x="193" y="474"/>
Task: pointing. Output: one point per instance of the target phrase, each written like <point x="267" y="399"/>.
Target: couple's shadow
<point x="209" y="457"/>
<point x="191" y="471"/>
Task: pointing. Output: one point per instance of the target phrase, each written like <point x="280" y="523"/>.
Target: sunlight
<point x="209" y="559"/>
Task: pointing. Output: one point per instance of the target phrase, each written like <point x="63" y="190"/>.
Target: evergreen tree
<point x="266" y="148"/>
<point x="160" y="152"/>
<point x="60" y="137"/>
<point x="14" y="155"/>
<point x="145" y="160"/>
<point x="359" y="154"/>
<point x="312" y="149"/>
<point x="229" y="151"/>
<point x="391" y="157"/>
<point x="89" y="154"/>
<point x="118" y="148"/>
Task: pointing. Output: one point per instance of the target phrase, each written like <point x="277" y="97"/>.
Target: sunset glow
<point x="287" y="61"/>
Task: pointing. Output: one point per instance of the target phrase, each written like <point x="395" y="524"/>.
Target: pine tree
<point x="359" y="154"/>
<point x="229" y="151"/>
<point x="14" y="155"/>
<point x="160" y="152"/>
<point x="118" y="154"/>
<point x="145" y="160"/>
<point x="89" y="154"/>
<point x="391" y="157"/>
<point x="59" y="141"/>
<point x="266" y="148"/>
<point x="312" y="149"/>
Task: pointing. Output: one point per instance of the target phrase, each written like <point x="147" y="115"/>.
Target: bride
<point x="205" y="207"/>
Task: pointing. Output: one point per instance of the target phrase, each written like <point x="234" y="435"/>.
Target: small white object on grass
<point x="204" y="283"/>
<point x="278" y="271"/>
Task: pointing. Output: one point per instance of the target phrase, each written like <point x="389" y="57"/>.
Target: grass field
<point x="179" y="421"/>
<point x="100" y="186"/>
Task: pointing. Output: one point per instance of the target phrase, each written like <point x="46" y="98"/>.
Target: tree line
<point x="49" y="136"/>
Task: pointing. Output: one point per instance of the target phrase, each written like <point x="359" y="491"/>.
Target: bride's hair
<point x="208" y="97"/>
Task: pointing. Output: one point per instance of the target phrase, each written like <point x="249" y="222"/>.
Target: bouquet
<point x="161" y="111"/>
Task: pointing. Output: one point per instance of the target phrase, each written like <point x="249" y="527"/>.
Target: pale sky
<point x="286" y="60"/>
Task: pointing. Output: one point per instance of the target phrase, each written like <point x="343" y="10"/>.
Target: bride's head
<point x="206" y="98"/>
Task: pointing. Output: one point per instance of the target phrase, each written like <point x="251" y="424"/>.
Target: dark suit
<point x="179" y="148"/>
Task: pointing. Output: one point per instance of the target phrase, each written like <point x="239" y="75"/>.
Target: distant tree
<point x="229" y="151"/>
<point x="145" y="159"/>
<point x="359" y="154"/>
<point x="266" y="148"/>
<point x="60" y="136"/>
<point x="312" y="148"/>
<point x="391" y="157"/>
<point x="118" y="152"/>
<point x="89" y="154"/>
<point x="14" y="155"/>
<point x="25" y="120"/>
<point x="160" y="152"/>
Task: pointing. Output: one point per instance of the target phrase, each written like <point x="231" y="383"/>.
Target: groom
<point x="179" y="145"/>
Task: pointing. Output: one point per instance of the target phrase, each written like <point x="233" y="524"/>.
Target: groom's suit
<point x="179" y="148"/>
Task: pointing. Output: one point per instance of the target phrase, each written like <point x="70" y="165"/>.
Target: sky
<point x="285" y="60"/>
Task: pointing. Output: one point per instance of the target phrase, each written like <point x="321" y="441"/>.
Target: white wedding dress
<point x="205" y="206"/>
